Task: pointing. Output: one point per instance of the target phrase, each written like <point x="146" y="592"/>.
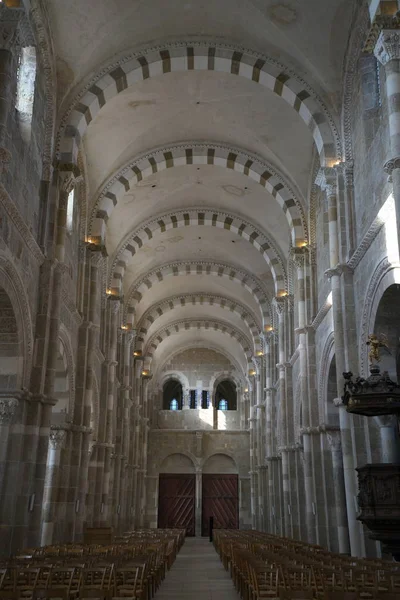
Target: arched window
<point x="226" y="392"/>
<point x="70" y="211"/>
<point x="26" y="89"/>
<point x="172" y="393"/>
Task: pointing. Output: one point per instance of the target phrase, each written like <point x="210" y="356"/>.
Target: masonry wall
<point x="199" y="447"/>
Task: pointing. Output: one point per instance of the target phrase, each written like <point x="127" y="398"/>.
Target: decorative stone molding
<point x="384" y="214"/>
<point x="387" y="47"/>
<point x="47" y="62"/>
<point x="19" y="223"/>
<point x="57" y="437"/>
<point x="8" y="406"/>
<point x="5" y="159"/>
<point x="291" y="448"/>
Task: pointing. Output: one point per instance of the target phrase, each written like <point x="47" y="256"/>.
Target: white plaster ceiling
<point x="185" y="284"/>
<point x="198" y="105"/>
<point x="310" y="36"/>
<point x="197" y="243"/>
<point x="198" y="313"/>
<point x="209" y="107"/>
<point x="192" y="186"/>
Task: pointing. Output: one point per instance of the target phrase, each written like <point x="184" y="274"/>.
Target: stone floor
<point x="197" y="574"/>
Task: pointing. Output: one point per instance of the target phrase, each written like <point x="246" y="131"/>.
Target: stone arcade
<point x="199" y="229"/>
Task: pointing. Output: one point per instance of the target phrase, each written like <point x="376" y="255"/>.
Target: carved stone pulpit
<point x="379" y="484"/>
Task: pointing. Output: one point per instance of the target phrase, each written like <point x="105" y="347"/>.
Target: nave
<point x="199" y="244"/>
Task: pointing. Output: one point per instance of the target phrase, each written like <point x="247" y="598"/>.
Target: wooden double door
<point x="220" y="501"/>
<point x="177" y="502"/>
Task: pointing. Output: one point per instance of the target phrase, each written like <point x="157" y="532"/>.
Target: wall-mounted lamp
<point x="282" y="294"/>
<point x="252" y="372"/>
<point x="109" y="292"/>
<point x="260" y="353"/>
<point x="246" y="389"/>
<point x="124" y="327"/>
<point x="268" y="328"/>
<point x="137" y="353"/>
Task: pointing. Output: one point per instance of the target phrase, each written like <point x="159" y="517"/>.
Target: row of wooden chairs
<point x="264" y="566"/>
<point x="132" y="567"/>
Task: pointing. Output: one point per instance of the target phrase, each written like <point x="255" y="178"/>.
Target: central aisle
<point x="197" y="574"/>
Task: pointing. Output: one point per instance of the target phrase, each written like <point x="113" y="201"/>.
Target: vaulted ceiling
<point x="199" y="123"/>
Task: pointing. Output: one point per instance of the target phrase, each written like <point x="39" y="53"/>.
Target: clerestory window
<point x="26" y="77"/>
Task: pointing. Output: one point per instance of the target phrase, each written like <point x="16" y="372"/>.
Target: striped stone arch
<point x="243" y="278"/>
<point x="198" y="325"/>
<point x="195" y="153"/>
<point x="198" y="299"/>
<point x="197" y="216"/>
<point x="199" y="56"/>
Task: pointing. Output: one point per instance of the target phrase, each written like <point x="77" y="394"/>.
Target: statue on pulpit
<point x="376" y="343"/>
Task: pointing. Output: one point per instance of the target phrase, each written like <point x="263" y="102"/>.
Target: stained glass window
<point x="174" y="405"/>
<point x="223" y="405"/>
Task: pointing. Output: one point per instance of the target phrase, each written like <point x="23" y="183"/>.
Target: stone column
<point x="8" y="407"/>
<point x="111" y="364"/>
<point x="387" y="51"/>
<point x="253" y="422"/>
<point x="337" y="492"/>
<point x="126" y="389"/>
<point x="50" y="497"/>
<point x="199" y="500"/>
<point x="280" y="304"/>
<point x="388" y="430"/>
<point x="327" y="180"/>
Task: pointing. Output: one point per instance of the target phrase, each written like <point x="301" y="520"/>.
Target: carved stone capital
<point x="329" y="273"/>
<point x="387" y="47"/>
<point x="8" y="406"/>
<point x="279" y="303"/>
<point x="334" y="440"/>
<point x="391" y="165"/>
<point x="129" y="336"/>
<point x="57" y="438"/>
<point x="327" y="180"/>
<point x="15" y="31"/>
<point x="115" y="304"/>
<point x="297" y="255"/>
<point x="69" y="176"/>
